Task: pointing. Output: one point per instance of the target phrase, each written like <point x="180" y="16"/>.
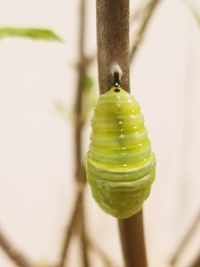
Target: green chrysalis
<point x="120" y="166"/>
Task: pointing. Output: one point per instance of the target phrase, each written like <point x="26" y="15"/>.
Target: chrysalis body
<point x="120" y="166"/>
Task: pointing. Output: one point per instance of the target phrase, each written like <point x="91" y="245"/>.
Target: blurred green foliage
<point x="64" y="111"/>
<point x="89" y="99"/>
<point x="88" y="83"/>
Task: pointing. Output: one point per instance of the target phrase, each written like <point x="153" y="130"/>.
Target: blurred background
<point x="37" y="92"/>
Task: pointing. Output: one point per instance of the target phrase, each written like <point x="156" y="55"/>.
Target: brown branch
<point x="104" y="257"/>
<point x="84" y="243"/>
<point x="133" y="243"/>
<point x="186" y="239"/>
<point x="113" y="41"/>
<point x="79" y="175"/>
<point x="17" y="257"/>
<point x="70" y="229"/>
<point x="150" y="8"/>
<point x="79" y="172"/>
<point x="113" y="47"/>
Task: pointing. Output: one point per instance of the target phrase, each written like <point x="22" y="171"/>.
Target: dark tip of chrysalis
<point x="117" y="74"/>
<point x="116" y="79"/>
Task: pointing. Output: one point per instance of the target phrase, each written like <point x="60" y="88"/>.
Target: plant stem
<point x="102" y="255"/>
<point x="18" y="258"/>
<point x="196" y="263"/>
<point x="133" y="243"/>
<point x="79" y="171"/>
<point x="113" y="41"/>
<point x="79" y="175"/>
<point x="78" y="213"/>
<point x="83" y="236"/>
<point x="113" y="47"/>
<point x="70" y="229"/>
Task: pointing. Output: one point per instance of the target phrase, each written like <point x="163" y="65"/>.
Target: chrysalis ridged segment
<point x="120" y="166"/>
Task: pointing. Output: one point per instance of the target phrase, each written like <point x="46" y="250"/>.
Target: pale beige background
<point x="36" y="151"/>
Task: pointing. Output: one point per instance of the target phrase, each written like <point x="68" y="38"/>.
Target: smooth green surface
<point x="120" y="165"/>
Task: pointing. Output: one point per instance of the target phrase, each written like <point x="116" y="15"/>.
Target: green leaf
<point x="33" y="33"/>
<point x="195" y="12"/>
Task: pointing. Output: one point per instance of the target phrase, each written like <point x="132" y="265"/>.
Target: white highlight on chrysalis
<point x="115" y="68"/>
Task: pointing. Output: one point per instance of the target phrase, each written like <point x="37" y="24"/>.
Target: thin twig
<point x="104" y="257"/>
<point x="78" y="212"/>
<point x="90" y="243"/>
<point x="140" y="12"/>
<point x="196" y="262"/>
<point x="186" y="239"/>
<point x="16" y="256"/>
<point x="79" y="172"/>
<point x="143" y="26"/>
<point x="70" y="229"/>
<point x="83" y="233"/>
